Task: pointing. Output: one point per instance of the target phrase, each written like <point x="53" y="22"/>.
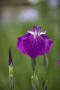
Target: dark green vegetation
<point x="50" y="20"/>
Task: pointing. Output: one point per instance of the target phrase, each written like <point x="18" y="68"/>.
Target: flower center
<point x="35" y="34"/>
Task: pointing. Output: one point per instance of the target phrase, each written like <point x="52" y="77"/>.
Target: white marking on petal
<point x="43" y="32"/>
<point x="33" y="33"/>
<point x="30" y="32"/>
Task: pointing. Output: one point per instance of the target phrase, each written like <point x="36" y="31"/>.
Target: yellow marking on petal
<point x="35" y="35"/>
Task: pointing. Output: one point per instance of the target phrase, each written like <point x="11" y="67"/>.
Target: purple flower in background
<point x="58" y="61"/>
<point x="34" y="43"/>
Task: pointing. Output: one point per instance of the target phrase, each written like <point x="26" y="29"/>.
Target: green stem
<point x="11" y="84"/>
<point x="35" y="82"/>
<point x="33" y="62"/>
<point x="45" y="67"/>
<point x="45" y="62"/>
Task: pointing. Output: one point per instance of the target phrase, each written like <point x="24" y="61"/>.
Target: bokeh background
<point x="16" y="17"/>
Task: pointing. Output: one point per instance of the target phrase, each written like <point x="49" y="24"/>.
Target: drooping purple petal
<point x="58" y="61"/>
<point x="10" y="57"/>
<point x="34" y="47"/>
<point x="48" y="43"/>
<point x="20" y="42"/>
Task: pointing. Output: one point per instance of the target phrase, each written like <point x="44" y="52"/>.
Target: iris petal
<point x="39" y="28"/>
<point x="48" y="43"/>
<point x="34" y="28"/>
<point x="34" y="47"/>
<point x="20" y="42"/>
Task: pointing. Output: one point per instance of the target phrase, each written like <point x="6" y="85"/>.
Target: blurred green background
<point x="16" y="19"/>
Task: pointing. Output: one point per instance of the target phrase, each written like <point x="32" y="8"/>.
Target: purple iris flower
<point x="58" y="61"/>
<point x="34" y="43"/>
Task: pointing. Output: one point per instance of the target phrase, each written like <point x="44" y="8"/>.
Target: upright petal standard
<point x="34" y="43"/>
